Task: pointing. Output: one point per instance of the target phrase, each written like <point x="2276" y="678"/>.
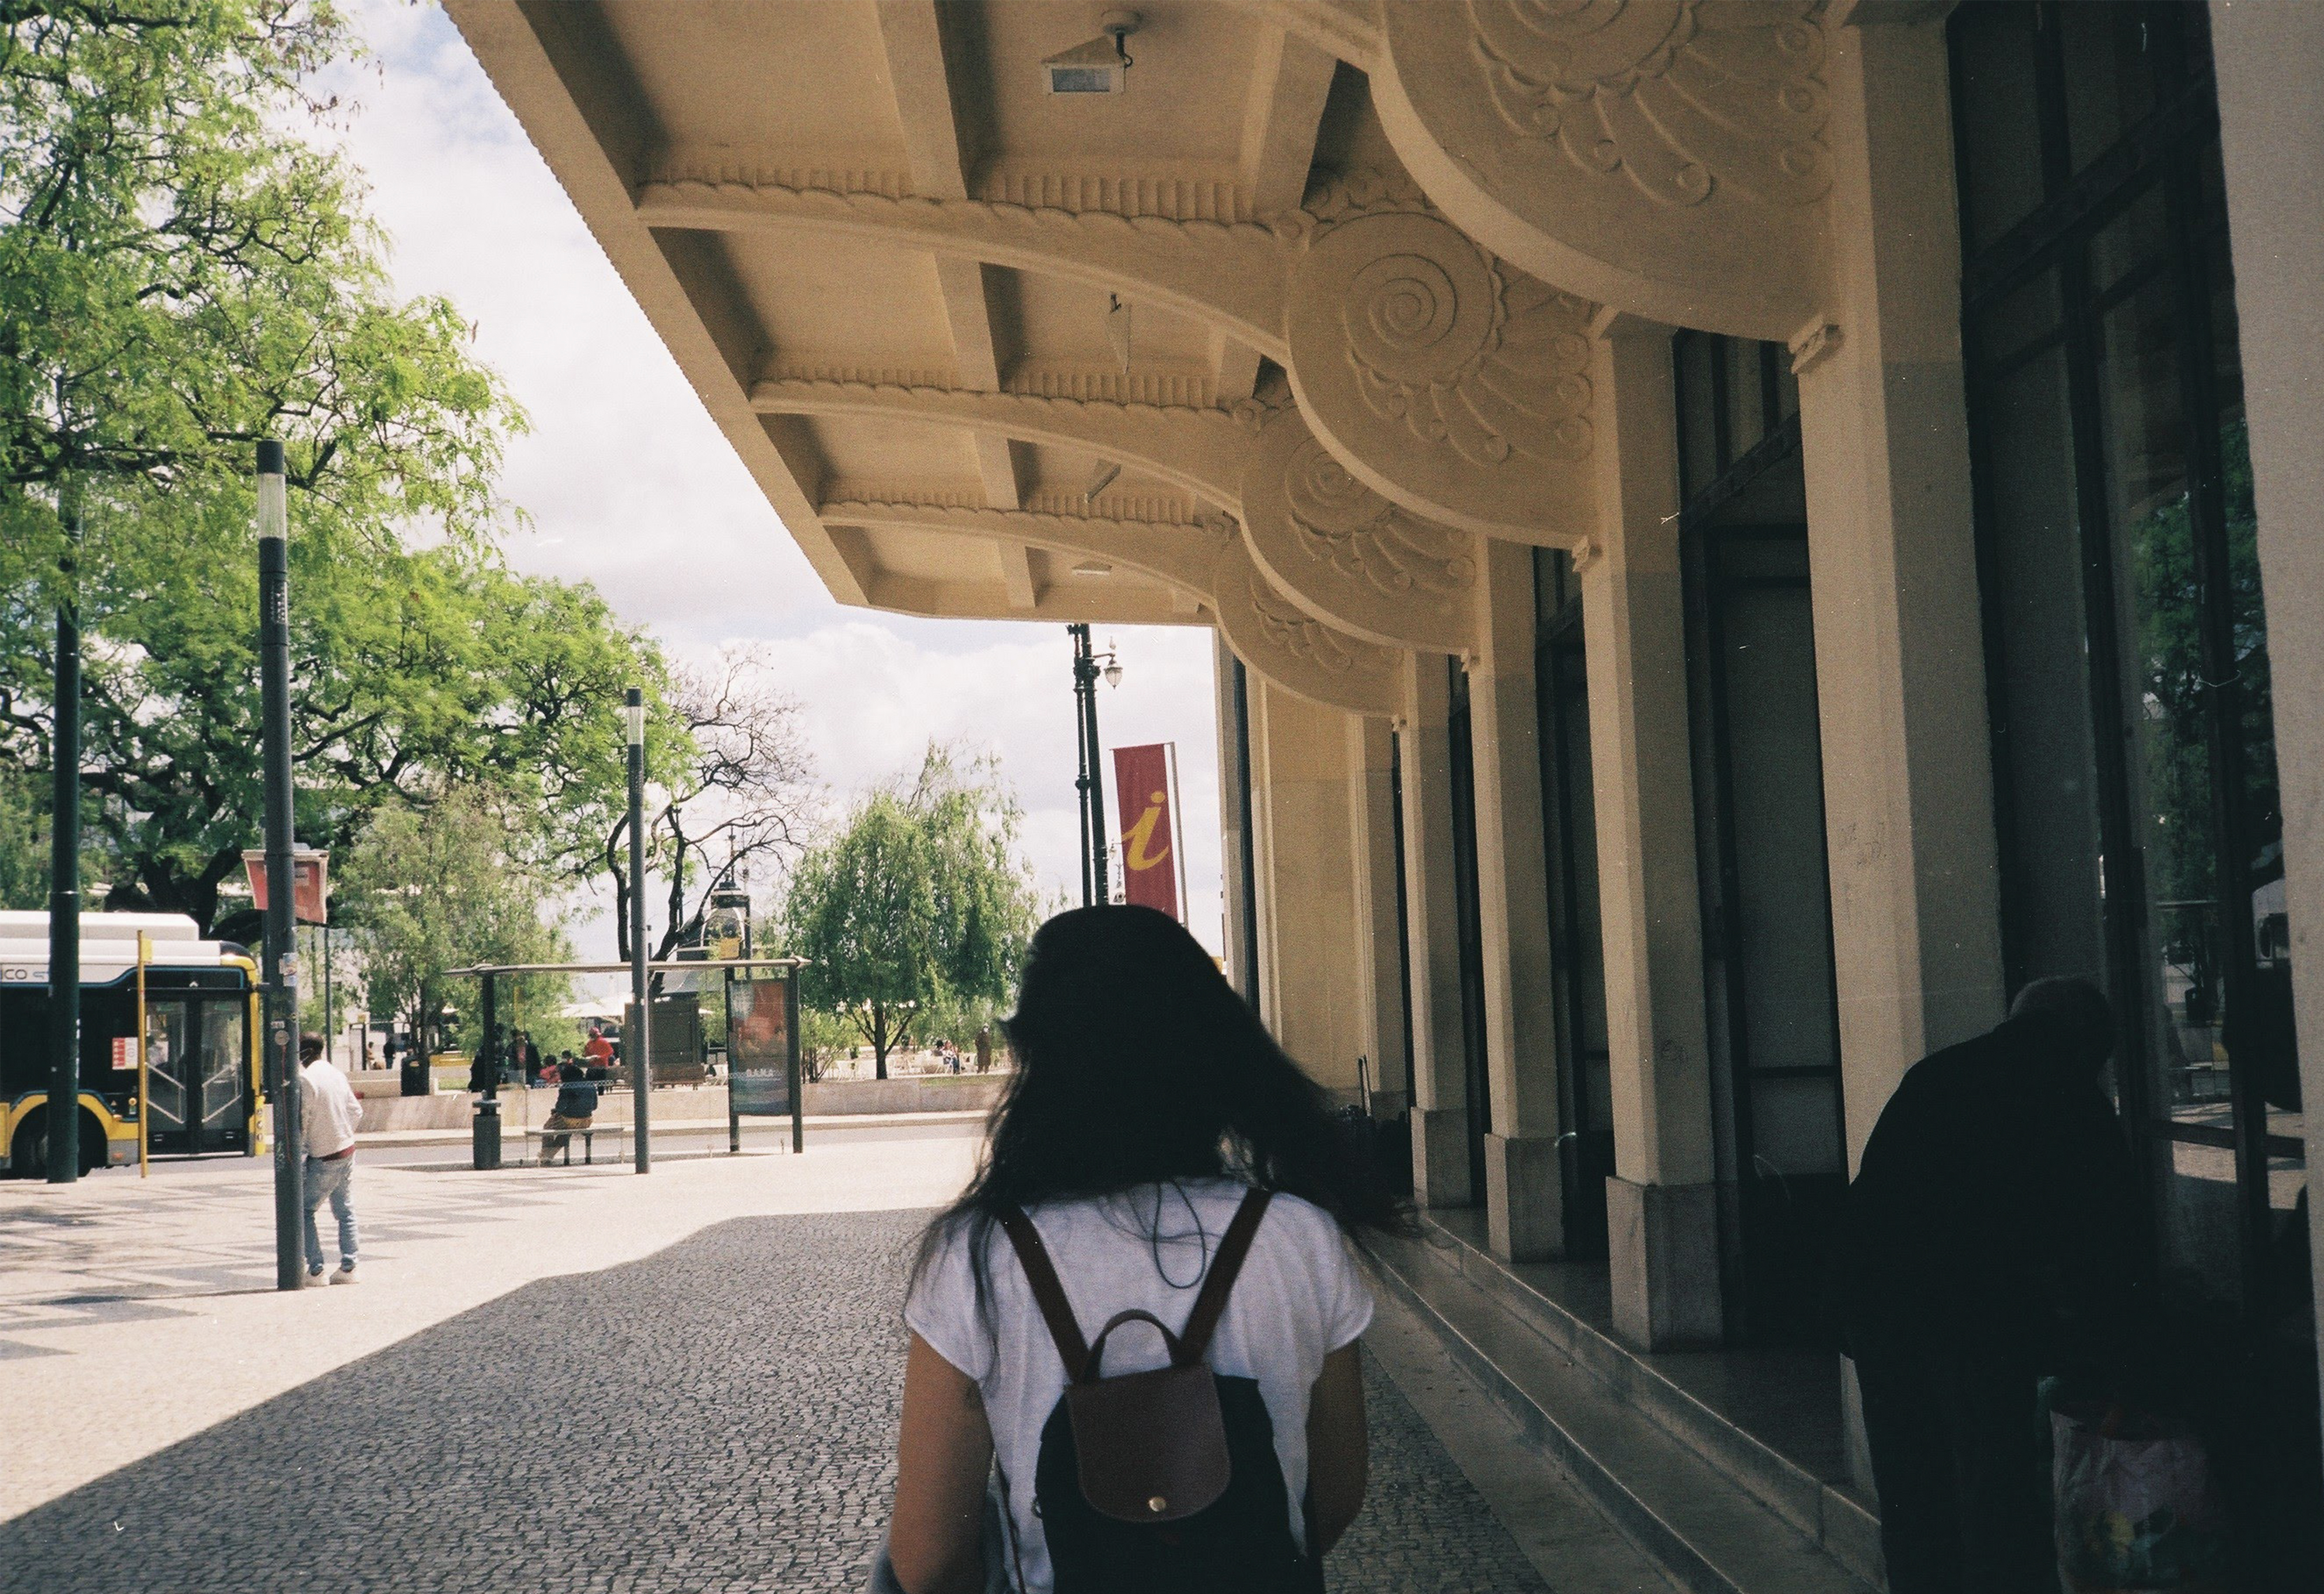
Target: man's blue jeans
<point x="329" y="1178"/>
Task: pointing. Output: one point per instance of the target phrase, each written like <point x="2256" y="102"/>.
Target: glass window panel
<point x="1796" y="1126"/>
<point x="2126" y="253"/>
<point x="224" y="1080"/>
<point x="2048" y="757"/>
<point x="2159" y="630"/>
<point x="1787" y="388"/>
<point x="1589" y="932"/>
<point x="2261" y="1034"/>
<point x="1776" y="755"/>
<point x="1697" y="427"/>
<point x="2195" y="1216"/>
<point x="1999" y="131"/>
<point x="1747" y="403"/>
<point x="2111" y="55"/>
<point x="2009" y="328"/>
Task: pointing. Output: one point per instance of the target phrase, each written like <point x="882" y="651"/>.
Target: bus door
<point x="198" y="1086"/>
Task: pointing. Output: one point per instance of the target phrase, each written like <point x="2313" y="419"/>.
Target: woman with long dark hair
<point x="1148" y="1107"/>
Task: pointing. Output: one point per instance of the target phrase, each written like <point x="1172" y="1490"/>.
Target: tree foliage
<point x="921" y="903"/>
<point x="450" y="890"/>
<point x="181" y="271"/>
<point x="734" y="792"/>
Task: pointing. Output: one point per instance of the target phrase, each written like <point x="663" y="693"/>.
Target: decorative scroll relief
<point x="1668" y="158"/>
<point x="1443" y="379"/>
<point x="1292" y="648"/>
<point x="1350" y="557"/>
<point x="1678" y="96"/>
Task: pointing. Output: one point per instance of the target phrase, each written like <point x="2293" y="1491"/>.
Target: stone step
<point x="1708" y="1526"/>
<point x="1765" y="1383"/>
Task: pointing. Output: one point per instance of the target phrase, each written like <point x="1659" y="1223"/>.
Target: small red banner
<point x="1143" y="784"/>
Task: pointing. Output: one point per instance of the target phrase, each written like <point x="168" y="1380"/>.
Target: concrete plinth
<point x="1524" y="1206"/>
<point x="1664" y="1242"/>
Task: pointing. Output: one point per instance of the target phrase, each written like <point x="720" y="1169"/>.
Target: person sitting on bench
<point x="576" y="1108"/>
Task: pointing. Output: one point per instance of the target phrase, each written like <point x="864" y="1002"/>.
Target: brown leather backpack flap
<point x="1152" y="1446"/>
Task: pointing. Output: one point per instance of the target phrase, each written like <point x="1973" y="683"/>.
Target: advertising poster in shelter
<point x="1145" y="784"/>
<point x="756" y="1040"/>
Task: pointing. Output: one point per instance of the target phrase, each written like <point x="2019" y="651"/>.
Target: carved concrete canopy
<point x="1443" y="378"/>
<point x="1350" y="557"/>
<point x="993" y="352"/>
<point x="1664" y="157"/>
<point x="1290" y="647"/>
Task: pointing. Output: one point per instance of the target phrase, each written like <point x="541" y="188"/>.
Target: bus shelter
<point x="762" y="1044"/>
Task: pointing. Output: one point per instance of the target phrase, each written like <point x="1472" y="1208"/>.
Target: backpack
<point x="1162" y="1482"/>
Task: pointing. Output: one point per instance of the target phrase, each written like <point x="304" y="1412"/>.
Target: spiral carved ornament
<point x="1443" y="379"/>
<point x="1346" y="555"/>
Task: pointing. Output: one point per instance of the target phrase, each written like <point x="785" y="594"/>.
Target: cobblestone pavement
<point x="717" y="1416"/>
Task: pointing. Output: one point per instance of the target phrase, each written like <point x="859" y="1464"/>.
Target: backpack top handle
<point x="1187" y="1347"/>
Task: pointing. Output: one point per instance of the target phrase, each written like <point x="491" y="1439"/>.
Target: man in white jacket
<point x="329" y="1111"/>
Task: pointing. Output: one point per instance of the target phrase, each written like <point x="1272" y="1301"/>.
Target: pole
<point x="282" y="969"/>
<point x="1080" y="635"/>
<point x="1096" y="774"/>
<point x="330" y="1027"/>
<point x="640" y="1042"/>
<point x="64" y="871"/>
<point x="145" y="1041"/>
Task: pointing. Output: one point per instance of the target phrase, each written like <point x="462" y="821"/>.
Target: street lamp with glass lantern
<point x="1088" y="666"/>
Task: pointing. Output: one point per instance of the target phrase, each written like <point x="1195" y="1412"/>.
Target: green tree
<point x="920" y="904"/>
<point x="24" y="843"/>
<point x="181" y="274"/>
<point x="448" y="889"/>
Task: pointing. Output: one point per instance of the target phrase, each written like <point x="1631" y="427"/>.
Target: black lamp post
<point x="64" y="877"/>
<point x="1091" y="781"/>
<point x="282" y="965"/>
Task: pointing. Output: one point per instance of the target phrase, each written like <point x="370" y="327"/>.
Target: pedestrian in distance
<point x="1155" y="1161"/>
<point x="574" y="1109"/>
<point x="597" y="1051"/>
<point x="1990" y="1237"/>
<point x="328" y="1115"/>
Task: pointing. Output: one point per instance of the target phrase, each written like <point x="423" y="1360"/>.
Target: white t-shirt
<point x="1297" y="1299"/>
<point x="328" y="1110"/>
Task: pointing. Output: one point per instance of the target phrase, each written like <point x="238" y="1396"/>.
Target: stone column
<point x="1380" y="950"/>
<point x="2271" y="102"/>
<point x="1662" y="1204"/>
<point x="1900" y="663"/>
<point x="1440" y="1110"/>
<point x="1310" y="990"/>
<point x="1523" y="1197"/>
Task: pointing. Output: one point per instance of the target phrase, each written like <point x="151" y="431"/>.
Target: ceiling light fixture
<point x="1092" y="568"/>
<point x="1117" y="330"/>
<point x="1102" y="65"/>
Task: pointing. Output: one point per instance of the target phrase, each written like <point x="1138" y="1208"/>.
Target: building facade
<point x="1738" y="532"/>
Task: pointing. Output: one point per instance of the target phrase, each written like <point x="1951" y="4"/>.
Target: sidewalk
<point x="753" y="1128"/>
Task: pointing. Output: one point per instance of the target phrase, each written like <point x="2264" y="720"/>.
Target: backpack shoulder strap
<point x="1194" y="1339"/>
<point x="1049" y="1294"/>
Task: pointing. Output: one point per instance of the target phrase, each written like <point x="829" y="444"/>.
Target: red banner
<point x="1143" y="783"/>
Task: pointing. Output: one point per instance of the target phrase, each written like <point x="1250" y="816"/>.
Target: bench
<point x="588" y="1138"/>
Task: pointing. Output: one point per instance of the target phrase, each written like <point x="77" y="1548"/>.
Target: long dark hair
<point x="1136" y="1065"/>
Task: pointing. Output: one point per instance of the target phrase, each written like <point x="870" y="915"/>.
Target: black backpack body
<point x="1164" y="1482"/>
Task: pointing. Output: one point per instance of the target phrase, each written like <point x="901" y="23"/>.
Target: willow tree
<point x="920" y="903"/>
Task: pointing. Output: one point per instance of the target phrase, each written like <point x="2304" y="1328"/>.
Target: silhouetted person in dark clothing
<point x="1991" y="1237"/>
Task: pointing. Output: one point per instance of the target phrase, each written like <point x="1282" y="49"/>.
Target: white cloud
<point x="630" y="486"/>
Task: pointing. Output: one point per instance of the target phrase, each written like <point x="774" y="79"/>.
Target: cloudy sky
<point x="629" y="485"/>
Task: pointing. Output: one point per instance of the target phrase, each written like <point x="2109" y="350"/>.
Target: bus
<point x="203" y="1091"/>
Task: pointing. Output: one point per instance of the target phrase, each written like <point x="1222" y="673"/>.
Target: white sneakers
<point x="345" y="1275"/>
